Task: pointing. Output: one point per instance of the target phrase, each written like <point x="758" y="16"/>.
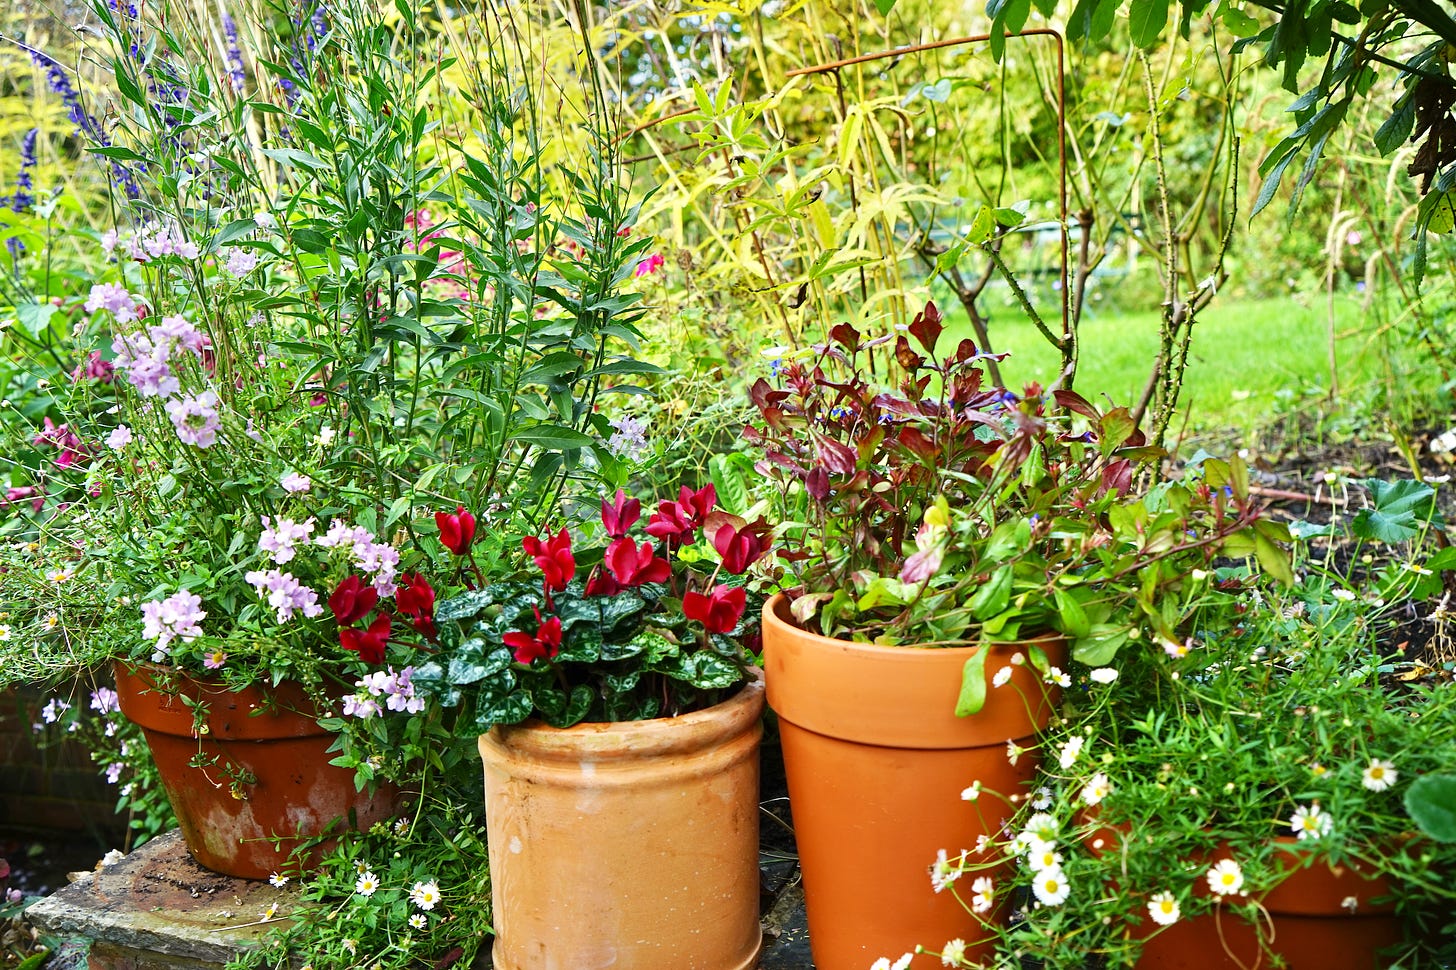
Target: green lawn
<point x="1243" y="354"/>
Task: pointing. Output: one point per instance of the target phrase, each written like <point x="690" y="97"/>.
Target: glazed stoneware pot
<point x="268" y="784"/>
<point x="876" y="762"/>
<point x="1320" y="917"/>
<point x="629" y="845"/>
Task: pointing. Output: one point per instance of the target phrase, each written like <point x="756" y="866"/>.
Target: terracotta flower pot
<point x="269" y="776"/>
<point x="1319" y="917"/>
<point x="631" y="845"/>
<point x="876" y="762"/>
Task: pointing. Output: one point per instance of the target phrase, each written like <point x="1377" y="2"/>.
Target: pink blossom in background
<point x="164" y="241"/>
<point x="96" y="367"/>
<point x="19" y="492"/>
<point x="651" y="264"/>
<point x="215" y="660"/>
<point x="177" y="331"/>
<point x="195" y="418"/>
<point x="340" y="533"/>
<point x="104" y="701"/>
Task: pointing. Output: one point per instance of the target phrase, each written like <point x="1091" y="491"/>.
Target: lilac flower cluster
<point x="378" y="559"/>
<point x="284" y="593"/>
<point x="146" y="355"/>
<point x="196" y="419"/>
<point x="281" y="538"/>
<point x="155" y="241"/>
<point x="396" y="690"/>
<point x="630" y="440"/>
<point x="175" y="618"/>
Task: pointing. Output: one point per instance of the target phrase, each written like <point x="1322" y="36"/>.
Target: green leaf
<point x="35" y="317"/>
<point x="1274" y="560"/>
<point x="993" y="595"/>
<point x="973" y="684"/>
<point x="1146" y="20"/>
<point x="289" y="157"/>
<point x="554" y="437"/>
<point x="1073" y="617"/>
<point x="1239" y="23"/>
<point x="1100" y="645"/>
<point x="1431" y="802"/>
<point x="884" y="7"/>
<point x="1401" y="508"/>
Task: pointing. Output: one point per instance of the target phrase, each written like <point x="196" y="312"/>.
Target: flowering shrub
<point x="946" y="511"/>
<point x="654" y="629"/>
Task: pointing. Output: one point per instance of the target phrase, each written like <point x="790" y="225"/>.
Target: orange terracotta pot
<point x="876" y="762"/>
<point x="1319" y="917"/>
<point x="631" y="845"/>
<point x="269" y="742"/>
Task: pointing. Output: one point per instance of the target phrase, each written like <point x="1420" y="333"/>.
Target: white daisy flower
<point x="1051" y="887"/>
<point x="944" y="870"/>
<point x="883" y="963"/>
<point x="953" y="953"/>
<point x="1163" y="908"/>
<point x="277" y="880"/>
<point x="1226" y="878"/>
<point x="1002" y="676"/>
<point x="1096" y="789"/>
<point x="1056" y="678"/>
<point x="972" y="793"/>
<point x="1042" y="799"/>
<point x="1379" y="776"/>
<point x="425" y="894"/>
<point x="1067" y="756"/>
<point x="983" y="894"/>
<point x="419" y="921"/>
<point x="270" y="912"/>
<point x="1046" y="857"/>
<point x="1310" y="822"/>
<point x="1013" y="752"/>
<point x="1103" y="675"/>
<point x="367" y="884"/>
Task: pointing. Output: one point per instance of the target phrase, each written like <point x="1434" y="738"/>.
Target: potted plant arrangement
<point x="1277" y="794"/>
<point x="619" y="721"/>
<point x="950" y="543"/>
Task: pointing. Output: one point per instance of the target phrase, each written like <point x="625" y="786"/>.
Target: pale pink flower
<point x="294" y="482"/>
<point x="281" y="538"/>
<point x="119" y="438"/>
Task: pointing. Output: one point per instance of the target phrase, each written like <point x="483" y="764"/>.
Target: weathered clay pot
<point x="268" y="785"/>
<point x="876" y="762"/>
<point x="630" y="845"/>
<point x="1319" y="917"/>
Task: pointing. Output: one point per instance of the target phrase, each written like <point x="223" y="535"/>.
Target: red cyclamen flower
<point x="677" y="521"/>
<point x="740" y="548"/>
<point x="543" y="646"/>
<point x="368" y="644"/>
<point x="601" y="583"/>
<point x="415" y="598"/>
<point x="633" y="566"/>
<point x="554" y="557"/>
<point x="621" y="514"/>
<point x="457" y="530"/>
<point x="352" y="601"/>
<point x="719" y="611"/>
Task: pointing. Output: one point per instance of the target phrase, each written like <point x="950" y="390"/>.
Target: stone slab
<point x="157" y="900"/>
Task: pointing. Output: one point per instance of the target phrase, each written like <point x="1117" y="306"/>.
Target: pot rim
<point x="645" y="738"/>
